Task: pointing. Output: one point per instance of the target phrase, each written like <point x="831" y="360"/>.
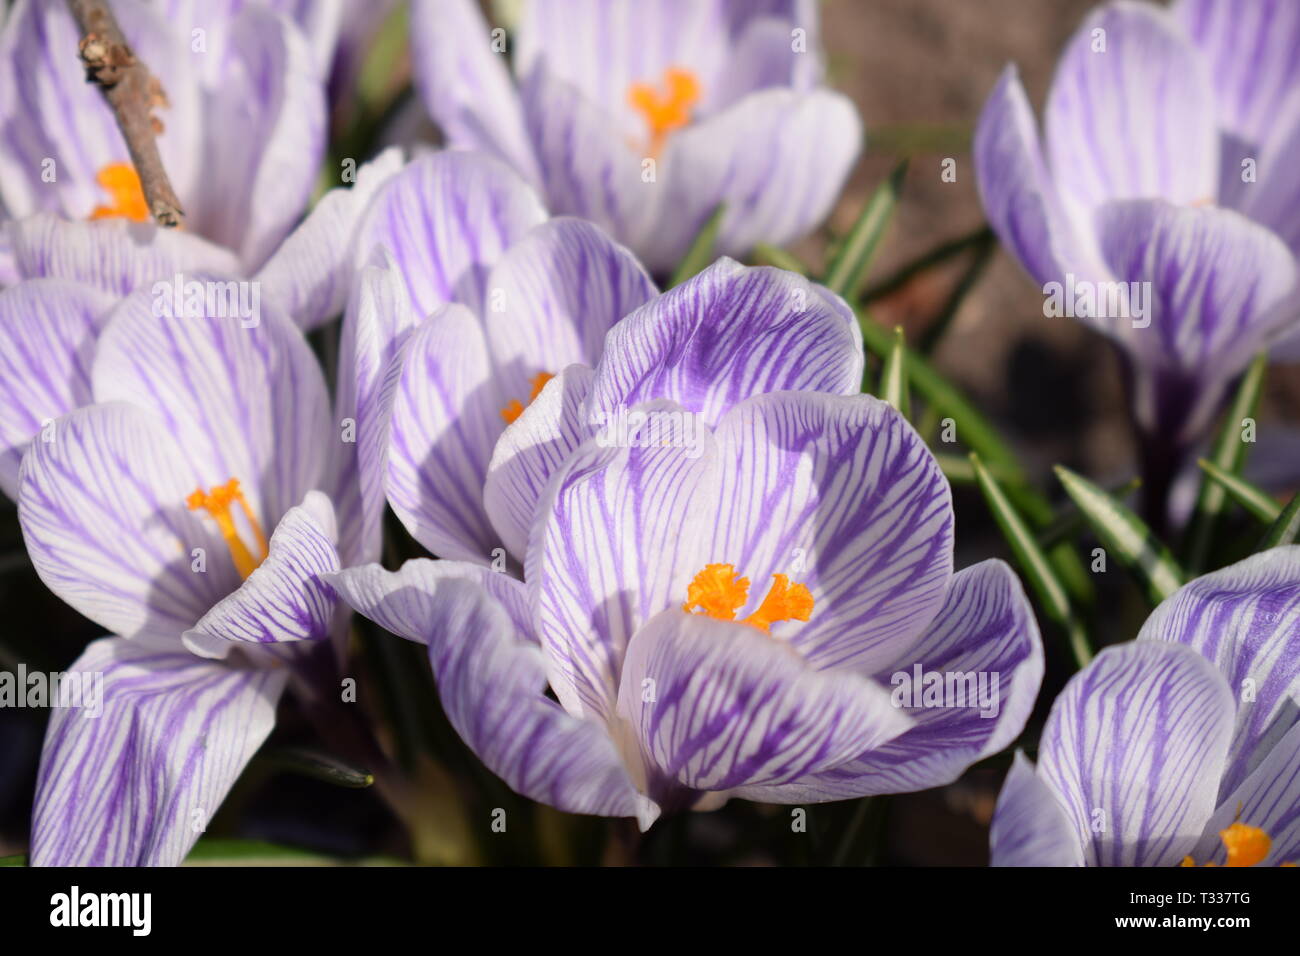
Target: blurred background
<point x="919" y="71"/>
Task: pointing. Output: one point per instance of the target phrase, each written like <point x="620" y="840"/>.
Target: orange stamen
<point x="1246" y="846"/>
<point x="122" y="184"/>
<point x="217" y="503"/>
<point x="516" y="408"/>
<point x="669" y="110"/>
<point x="719" y="593"/>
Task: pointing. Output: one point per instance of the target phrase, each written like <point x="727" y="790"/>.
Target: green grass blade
<point x="1285" y="529"/>
<point x="1259" y="503"/>
<point x="700" y="254"/>
<point x="849" y="267"/>
<point x="893" y="377"/>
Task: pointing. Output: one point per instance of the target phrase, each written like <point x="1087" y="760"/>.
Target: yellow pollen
<point x="217" y="503"/>
<point x="1246" y="846"/>
<point x="516" y="407"/>
<point x="667" y="110"/>
<point x="122" y="184"/>
<point x="719" y="593"/>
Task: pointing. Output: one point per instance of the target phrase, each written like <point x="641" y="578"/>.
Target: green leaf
<point x="19" y="859"/>
<point x="319" y="766"/>
<point x="1033" y="562"/>
<point x="1067" y="524"/>
<point x="700" y="254"/>
<point x="1126" y="535"/>
<point x="1285" y="529"/>
<point x="234" y="852"/>
<point x="766" y="255"/>
<point x="893" y="377"/>
<point x="1259" y="503"/>
<point x="1230" y="456"/>
<point x="983" y="255"/>
<point x="850" y="265"/>
<point x="924" y="262"/>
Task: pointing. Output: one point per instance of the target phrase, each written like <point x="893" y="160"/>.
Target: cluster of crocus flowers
<point x="1164" y="173"/>
<point x="1179" y="748"/>
<point x="644" y="116"/>
<point x="678" y="684"/>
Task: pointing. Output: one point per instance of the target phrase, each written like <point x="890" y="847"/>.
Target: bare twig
<point x="133" y="92"/>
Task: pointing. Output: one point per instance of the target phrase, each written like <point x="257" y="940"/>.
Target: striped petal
<point x="447" y="218"/>
<point x="840" y="494"/>
<point x="445" y="416"/>
<point x="1134" y="749"/>
<point x="1130" y="114"/>
<point x="47" y="337"/>
<point x="1017" y="191"/>
<point x="530" y="451"/>
<point x="268" y="95"/>
<point x="492" y="684"/>
<point x="310" y="274"/>
<point x="985" y="650"/>
<point x="621" y="534"/>
<point x="1029" y="826"/>
<point x="730" y="332"/>
<point x="465" y="84"/>
<point x="553" y="297"/>
<point x="1245" y="619"/>
<point x="718" y="705"/>
<point x="244" y="397"/>
<point x="777" y="159"/>
<point x="138" y="784"/>
<point x="286" y="599"/>
<point x="102" y="508"/>
<point x="114" y="255"/>
<point x="1217" y="289"/>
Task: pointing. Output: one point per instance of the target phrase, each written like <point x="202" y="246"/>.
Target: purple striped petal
<point x="1135" y="120"/>
<point x="492" y="683"/>
<point x="244" y="401"/>
<point x="554" y="296"/>
<point x="378" y="317"/>
<point x="1017" y="191"/>
<point x="728" y="333"/>
<point x="1268" y="799"/>
<point x="1134" y="749"/>
<point x="1217" y="289"/>
<point x="47" y="337"/>
<point x="985" y="632"/>
<point x="1029" y="827"/>
<point x="102" y="508"/>
<point x="1245" y="619"/>
<point x="763" y="56"/>
<point x="445" y="415"/>
<point x="447" y="218"/>
<point x="403" y="601"/>
<point x="310" y="274"/>
<point x="718" y="705"/>
<point x="137" y="785"/>
<point x="49" y="112"/>
<point x="268" y="95"/>
<point x="287" y="598"/>
<point x="840" y="494"/>
<point x="530" y="450"/>
<point x="778" y="160"/>
<point x="623" y="530"/>
<point x="114" y="255"/>
<point x="465" y="83"/>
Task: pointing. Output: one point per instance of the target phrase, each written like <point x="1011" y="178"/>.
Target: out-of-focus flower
<point x="724" y="616"/>
<point x="1161" y="205"/>
<point x="176" y="508"/>
<point x="644" y="116"/>
<point x="242" y="138"/>
<point x="1180" y="747"/>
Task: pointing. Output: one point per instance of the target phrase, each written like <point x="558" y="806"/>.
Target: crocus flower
<point x="644" y="116"/>
<point x="724" y="617"/>
<point x="242" y="138"/>
<point x="1182" y="747"/>
<point x="176" y="509"/>
<point x="1165" y="161"/>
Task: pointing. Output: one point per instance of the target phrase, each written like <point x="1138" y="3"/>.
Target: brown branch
<point x="132" y="91"/>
